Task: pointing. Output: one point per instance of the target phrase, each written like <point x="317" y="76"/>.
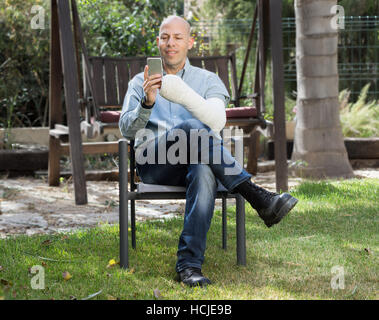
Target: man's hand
<point x="150" y="86"/>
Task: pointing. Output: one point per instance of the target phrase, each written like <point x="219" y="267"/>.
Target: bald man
<point x="163" y="113"/>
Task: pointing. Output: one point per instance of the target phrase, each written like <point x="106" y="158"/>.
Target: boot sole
<point x="286" y="207"/>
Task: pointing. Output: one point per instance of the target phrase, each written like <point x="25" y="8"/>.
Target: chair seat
<point x="241" y="112"/>
<point x="147" y="188"/>
<point x="110" y="116"/>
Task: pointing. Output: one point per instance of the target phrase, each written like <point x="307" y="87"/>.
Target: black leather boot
<point x="193" y="277"/>
<point x="271" y="207"/>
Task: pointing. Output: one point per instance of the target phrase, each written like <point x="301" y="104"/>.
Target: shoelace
<point x="266" y="195"/>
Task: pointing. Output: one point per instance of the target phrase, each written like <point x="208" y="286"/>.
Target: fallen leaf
<point x="109" y="297"/>
<point x="66" y="275"/>
<point x="112" y="263"/>
<point x="46" y="242"/>
<point x="368" y="250"/>
<point x="1" y="268"/>
<point x="6" y="282"/>
<point x="157" y="294"/>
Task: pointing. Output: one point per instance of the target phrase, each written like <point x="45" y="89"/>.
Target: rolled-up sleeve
<point x="133" y="116"/>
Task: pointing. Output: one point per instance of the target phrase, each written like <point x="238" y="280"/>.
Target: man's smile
<point x="171" y="52"/>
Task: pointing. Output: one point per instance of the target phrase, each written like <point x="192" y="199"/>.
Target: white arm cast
<point x="209" y="111"/>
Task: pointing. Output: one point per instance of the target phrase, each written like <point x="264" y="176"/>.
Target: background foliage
<point x="111" y="27"/>
<point x="124" y="28"/>
<point x="241" y="9"/>
<point x="24" y="66"/>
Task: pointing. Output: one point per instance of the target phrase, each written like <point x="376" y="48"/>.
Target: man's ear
<point x="157" y="39"/>
<point x="190" y="43"/>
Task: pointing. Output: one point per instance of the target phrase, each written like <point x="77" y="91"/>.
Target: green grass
<point x="334" y="223"/>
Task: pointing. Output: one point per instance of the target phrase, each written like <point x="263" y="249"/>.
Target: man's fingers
<point x="156" y="86"/>
<point x="149" y="83"/>
<point x="146" y="72"/>
<point x="154" y="81"/>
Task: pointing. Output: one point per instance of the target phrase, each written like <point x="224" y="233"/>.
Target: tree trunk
<point x="318" y="142"/>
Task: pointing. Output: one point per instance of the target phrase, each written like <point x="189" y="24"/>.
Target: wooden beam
<point x="92" y="147"/>
<point x="247" y="54"/>
<point x="281" y="168"/>
<point x="71" y="88"/>
<point x="23" y="160"/>
<point x="55" y="94"/>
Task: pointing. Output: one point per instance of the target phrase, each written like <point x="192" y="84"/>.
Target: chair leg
<point x="54" y="156"/>
<point x="253" y="152"/>
<point x="240" y="229"/>
<point x="224" y="224"/>
<point x="133" y="222"/>
<point x="123" y="209"/>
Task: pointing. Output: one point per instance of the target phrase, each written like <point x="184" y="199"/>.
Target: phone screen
<point x="155" y="66"/>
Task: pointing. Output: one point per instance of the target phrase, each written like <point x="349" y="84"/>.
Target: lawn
<point x="335" y="224"/>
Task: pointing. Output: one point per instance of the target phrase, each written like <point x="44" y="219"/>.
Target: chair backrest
<point x="110" y="77"/>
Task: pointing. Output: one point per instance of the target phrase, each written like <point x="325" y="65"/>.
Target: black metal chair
<point x="142" y="191"/>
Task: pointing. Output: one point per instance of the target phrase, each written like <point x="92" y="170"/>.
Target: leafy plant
<point x="114" y="28"/>
<point x="124" y="28"/>
<point x="24" y="72"/>
<point x="360" y="118"/>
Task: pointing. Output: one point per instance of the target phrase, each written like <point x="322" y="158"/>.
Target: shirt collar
<point x="182" y="71"/>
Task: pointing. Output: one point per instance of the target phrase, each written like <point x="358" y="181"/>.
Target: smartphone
<point x="155" y="66"/>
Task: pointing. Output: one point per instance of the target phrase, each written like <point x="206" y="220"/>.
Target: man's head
<point x="174" y="41"/>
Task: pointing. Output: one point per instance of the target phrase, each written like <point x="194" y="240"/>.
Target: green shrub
<point x="113" y="29"/>
<point x="361" y="118"/>
<point x="24" y="66"/>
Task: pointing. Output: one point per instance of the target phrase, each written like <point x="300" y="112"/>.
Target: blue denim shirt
<point x="166" y="114"/>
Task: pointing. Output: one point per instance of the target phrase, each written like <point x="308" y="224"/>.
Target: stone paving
<point x="29" y="206"/>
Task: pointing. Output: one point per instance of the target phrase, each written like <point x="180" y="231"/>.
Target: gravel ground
<point x="29" y="206"/>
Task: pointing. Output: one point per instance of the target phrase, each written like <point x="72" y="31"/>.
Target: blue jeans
<point x="201" y="181"/>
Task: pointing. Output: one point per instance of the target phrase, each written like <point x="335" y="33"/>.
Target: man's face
<point x="173" y="42"/>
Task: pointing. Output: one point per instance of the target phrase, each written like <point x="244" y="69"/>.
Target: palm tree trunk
<point x="318" y="141"/>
